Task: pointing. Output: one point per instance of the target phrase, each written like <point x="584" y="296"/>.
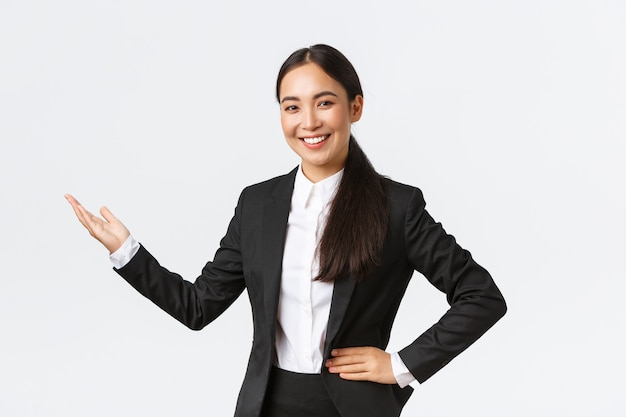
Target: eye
<point x="291" y="108"/>
<point x="325" y="103"/>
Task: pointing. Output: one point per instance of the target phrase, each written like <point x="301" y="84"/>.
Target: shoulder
<point x="399" y="192"/>
<point x="405" y="201"/>
<point x="280" y="186"/>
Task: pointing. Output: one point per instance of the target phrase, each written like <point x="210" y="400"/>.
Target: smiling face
<point x="316" y="115"/>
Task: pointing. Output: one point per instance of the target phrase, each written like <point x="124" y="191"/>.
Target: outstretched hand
<point x="108" y="230"/>
<point x="362" y="364"/>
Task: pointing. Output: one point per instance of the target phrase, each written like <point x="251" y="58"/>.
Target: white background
<point x="510" y="116"/>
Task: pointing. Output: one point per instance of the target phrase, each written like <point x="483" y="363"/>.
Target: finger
<point x="360" y="350"/>
<point x="359" y="371"/>
<point x="71" y="199"/>
<point x="82" y="214"/>
<point x="350" y="368"/>
<point x="73" y="202"/>
<point x="357" y="376"/>
<point x="346" y="360"/>
<point x="364" y="372"/>
<point x="89" y="217"/>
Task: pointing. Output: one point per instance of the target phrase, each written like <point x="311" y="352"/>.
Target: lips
<point x="315" y="140"/>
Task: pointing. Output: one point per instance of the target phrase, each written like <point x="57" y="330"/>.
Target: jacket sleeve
<point x="199" y="303"/>
<point x="475" y="301"/>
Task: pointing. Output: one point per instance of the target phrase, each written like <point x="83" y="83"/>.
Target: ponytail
<point x="357" y="223"/>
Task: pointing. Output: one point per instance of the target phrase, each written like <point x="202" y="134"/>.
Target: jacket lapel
<point x="342" y="293"/>
<point x="275" y="217"/>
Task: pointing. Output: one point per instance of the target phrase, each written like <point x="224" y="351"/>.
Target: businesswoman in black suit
<point x="325" y="254"/>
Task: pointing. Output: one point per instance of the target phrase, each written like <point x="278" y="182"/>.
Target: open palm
<point x="108" y="230"/>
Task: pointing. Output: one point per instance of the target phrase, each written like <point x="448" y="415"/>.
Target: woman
<point x="325" y="254"/>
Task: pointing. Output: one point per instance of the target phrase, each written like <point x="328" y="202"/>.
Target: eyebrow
<point x="315" y="97"/>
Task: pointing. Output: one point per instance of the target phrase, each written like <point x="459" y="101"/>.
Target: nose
<point x="310" y="121"/>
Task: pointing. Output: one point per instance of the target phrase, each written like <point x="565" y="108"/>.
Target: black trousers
<point x="290" y="394"/>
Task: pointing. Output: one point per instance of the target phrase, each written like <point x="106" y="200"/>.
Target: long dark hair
<point x="357" y="223"/>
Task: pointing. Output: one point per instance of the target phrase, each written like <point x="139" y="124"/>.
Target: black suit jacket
<point x="361" y="314"/>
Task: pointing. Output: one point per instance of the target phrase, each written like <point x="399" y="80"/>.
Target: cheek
<point x="340" y="119"/>
<point x="287" y="125"/>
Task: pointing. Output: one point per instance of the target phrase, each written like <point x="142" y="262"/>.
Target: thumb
<point x="106" y="213"/>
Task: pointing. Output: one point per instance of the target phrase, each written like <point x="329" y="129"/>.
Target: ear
<point x="356" y="108"/>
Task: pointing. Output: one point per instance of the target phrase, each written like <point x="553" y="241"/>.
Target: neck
<point x="317" y="174"/>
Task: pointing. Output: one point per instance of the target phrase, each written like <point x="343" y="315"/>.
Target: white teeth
<point x="313" y="141"/>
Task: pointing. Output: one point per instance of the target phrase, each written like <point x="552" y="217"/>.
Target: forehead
<point x="307" y="80"/>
